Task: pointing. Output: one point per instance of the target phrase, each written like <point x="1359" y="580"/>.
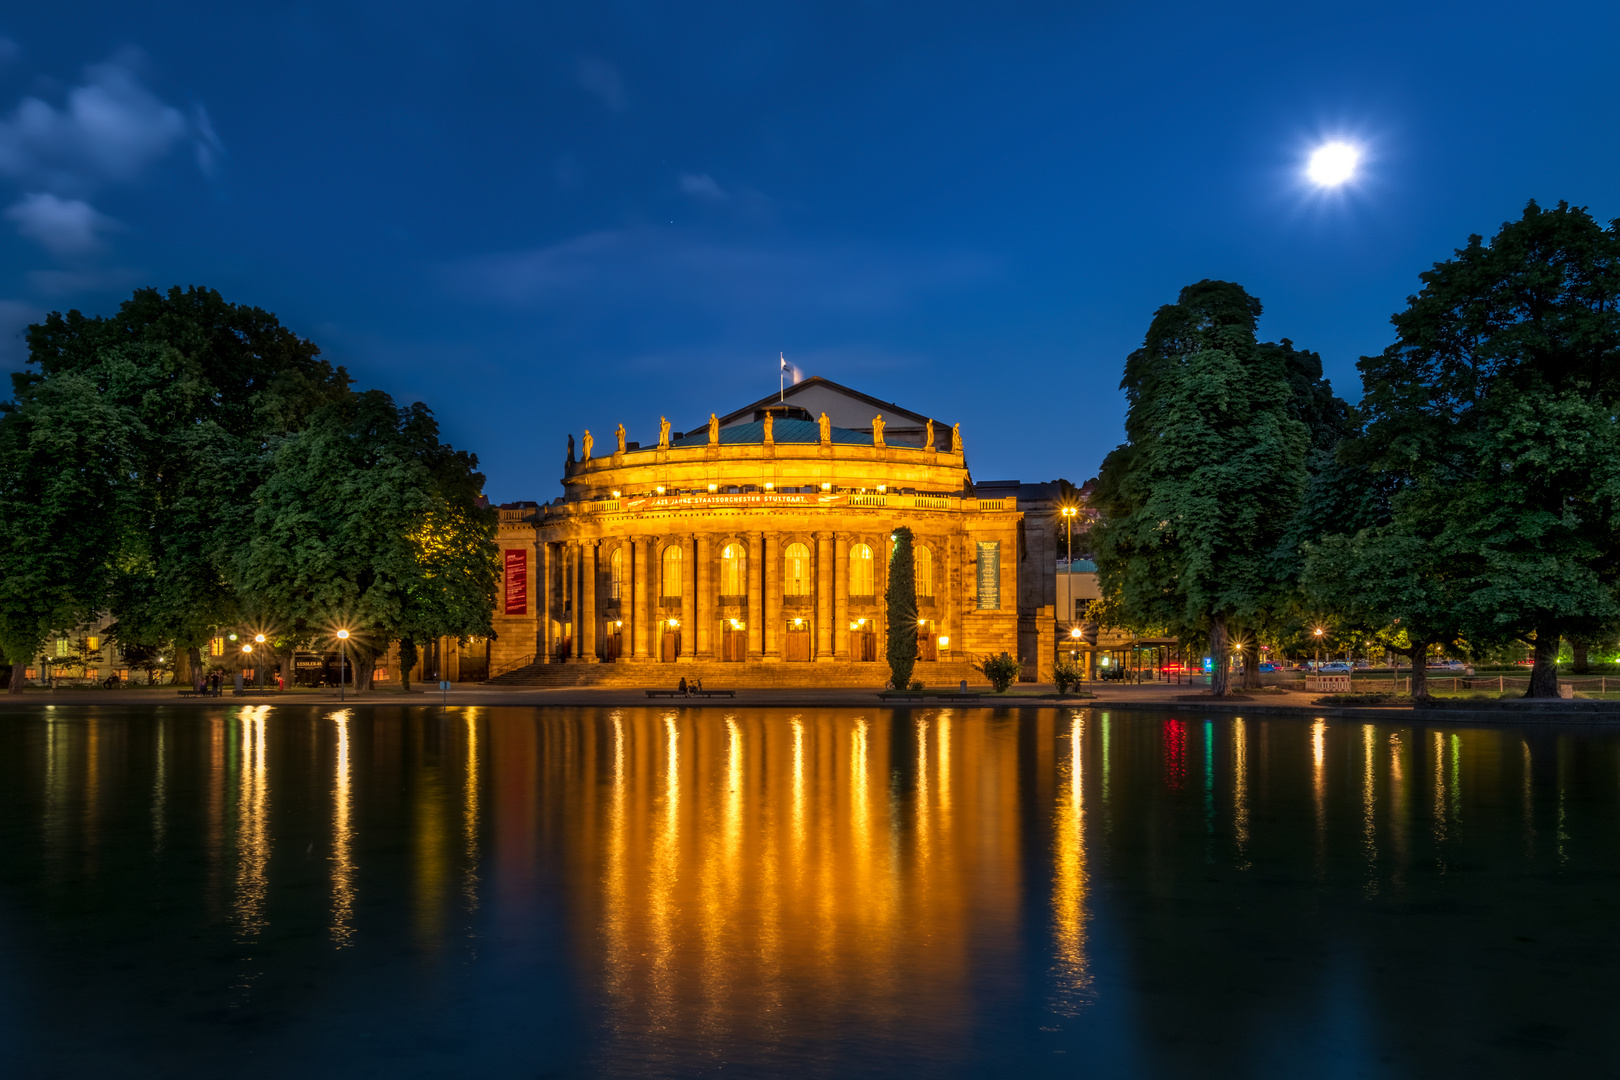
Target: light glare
<point x="1332" y="164"/>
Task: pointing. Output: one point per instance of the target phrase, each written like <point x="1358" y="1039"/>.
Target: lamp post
<point x="259" y="639"/>
<point x="343" y="659"/>
<point x="1319" y="650"/>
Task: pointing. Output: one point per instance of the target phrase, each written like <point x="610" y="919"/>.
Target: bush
<point x="1066" y="674"/>
<point x="916" y="686"/>
<point x="1000" y="670"/>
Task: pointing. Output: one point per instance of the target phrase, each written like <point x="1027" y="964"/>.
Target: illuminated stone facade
<point x="754" y="551"/>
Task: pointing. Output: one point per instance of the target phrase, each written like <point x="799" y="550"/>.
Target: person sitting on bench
<point x="682" y="689"/>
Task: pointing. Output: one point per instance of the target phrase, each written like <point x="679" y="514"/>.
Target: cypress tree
<point x="901" y="597"/>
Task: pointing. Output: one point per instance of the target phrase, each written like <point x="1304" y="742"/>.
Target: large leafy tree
<point x="901" y="598"/>
<point x="1197" y="501"/>
<point x="206" y="385"/>
<point x="367" y="522"/>
<point x="1494" y="409"/>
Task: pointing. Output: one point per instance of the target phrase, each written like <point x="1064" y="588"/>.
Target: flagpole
<point x="781" y="380"/>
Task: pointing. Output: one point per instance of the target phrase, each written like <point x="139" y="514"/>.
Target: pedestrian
<point x="681" y="689"/>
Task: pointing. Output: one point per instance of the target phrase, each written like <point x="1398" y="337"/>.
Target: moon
<point x="1332" y="164"/>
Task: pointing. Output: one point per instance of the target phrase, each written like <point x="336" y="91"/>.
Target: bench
<point x="665" y="693"/>
<point x="196" y="693"/>
<point x="714" y="693"/>
<point x="692" y="693"/>
<point x="907" y="695"/>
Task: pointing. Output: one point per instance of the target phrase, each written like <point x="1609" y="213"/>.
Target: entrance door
<point x="671" y="647"/>
<point x="610" y="647"/>
<point x="864" y="646"/>
<point x="565" y="649"/>
<point x="796" y="644"/>
<point x="927" y="644"/>
<point x="733" y="646"/>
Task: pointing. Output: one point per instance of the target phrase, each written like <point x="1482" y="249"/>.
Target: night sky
<point x="541" y="218"/>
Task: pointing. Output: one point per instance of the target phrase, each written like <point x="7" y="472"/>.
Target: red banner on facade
<point x="517" y="581"/>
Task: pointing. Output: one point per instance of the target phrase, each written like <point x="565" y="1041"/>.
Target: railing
<point x="930" y="502"/>
<point x="990" y="504"/>
<point x="522" y="662"/>
<point x="869" y="500"/>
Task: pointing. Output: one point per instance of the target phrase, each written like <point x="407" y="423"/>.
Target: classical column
<point x="575" y="637"/>
<point x="542" y="561"/>
<point x="824" y="596"/>
<point x="772" y="578"/>
<point x="756" y="614"/>
<point x="703" y="575"/>
<point x="640" y="594"/>
<point x="841" y="595"/>
<point x="688" y="614"/>
<point x="588" y="619"/>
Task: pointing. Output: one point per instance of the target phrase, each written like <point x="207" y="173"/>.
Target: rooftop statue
<point x="826" y="430"/>
<point x="714" y="430"/>
<point x="956" y="439"/>
<point x="928" y="440"/>
<point x="877" y="430"/>
<point x="586" y="446"/>
<point x="621" y="438"/>
<point x="570" y="448"/>
<point x="663" y="433"/>
<point x="770" y="434"/>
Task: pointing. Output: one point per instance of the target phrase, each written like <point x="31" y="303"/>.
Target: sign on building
<point x="989" y="575"/>
<point x="517" y="581"/>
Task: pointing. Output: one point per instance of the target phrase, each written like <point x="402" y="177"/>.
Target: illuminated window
<point x="93" y="643"/>
<point x="924" y="567"/>
<point x="615" y="573"/>
<point x="796" y="563"/>
<point x="216" y="647"/>
<point x="734" y="570"/>
<point x="860" y="571"/>
<point x="672" y="573"/>
<point x="61" y="646"/>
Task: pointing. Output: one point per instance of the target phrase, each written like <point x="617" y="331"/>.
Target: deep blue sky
<point x="541" y="218"/>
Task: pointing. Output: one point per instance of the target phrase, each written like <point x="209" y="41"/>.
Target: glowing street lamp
<point x="343" y="659"/>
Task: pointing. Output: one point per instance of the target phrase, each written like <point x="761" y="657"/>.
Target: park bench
<point x="665" y="693"/>
<point x="692" y="693"/>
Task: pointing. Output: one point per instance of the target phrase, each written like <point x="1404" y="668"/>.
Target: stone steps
<point x="652" y="675"/>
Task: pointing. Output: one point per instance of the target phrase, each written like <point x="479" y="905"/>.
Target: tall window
<point x="616" y="574"/>
<point x="923" y="561"/>
<point x="860" y="571"/>
<point x="734" y="570"/>
<point x="796" y="564"/>
<point x="672" y="573"/>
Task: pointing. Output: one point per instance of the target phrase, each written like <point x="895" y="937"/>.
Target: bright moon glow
<point x="1332" y="164"/>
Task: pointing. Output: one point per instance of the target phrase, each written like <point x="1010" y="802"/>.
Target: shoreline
<point x="1130" y="697"/>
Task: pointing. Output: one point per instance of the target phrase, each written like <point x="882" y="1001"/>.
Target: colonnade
<point x="576" y="606"/>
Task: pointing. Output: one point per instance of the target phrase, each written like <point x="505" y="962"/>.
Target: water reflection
<point x="831" y="892"/>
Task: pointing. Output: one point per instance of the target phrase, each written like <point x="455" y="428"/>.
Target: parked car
<point x="1446" y="665"/>
<point x="1269" y="666"/>
<point x="1334" y="667"/>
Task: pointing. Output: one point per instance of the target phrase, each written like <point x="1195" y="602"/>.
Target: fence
<point x="1374" y="684"/>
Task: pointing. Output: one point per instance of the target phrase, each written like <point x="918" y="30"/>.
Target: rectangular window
<point x="216" y="647"/>
<point x="93" y="643"/>
<point x="380" y="675"/>
<point x="61" y="646"/>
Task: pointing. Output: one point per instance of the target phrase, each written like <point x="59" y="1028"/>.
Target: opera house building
<point x="754" y="549"/>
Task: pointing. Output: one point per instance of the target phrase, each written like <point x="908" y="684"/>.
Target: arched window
<point x="860" y="571"/>
<point x="733" y="571"/>
<point x="923" y="563"/>
<point x="796" y="570"/>
<point x="616" y="574"/>
<point x="672" y="573"/>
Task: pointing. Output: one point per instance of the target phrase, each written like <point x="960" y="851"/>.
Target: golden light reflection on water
<point x="1240" y="789"/>
<point x="1369" y="804"/>
<point x="1319" y="790"/>
<point x="253" y="827"/>
<point x="342" y="925"/>
<point x="1073" y="982"/>
<point x="469" y="815"/>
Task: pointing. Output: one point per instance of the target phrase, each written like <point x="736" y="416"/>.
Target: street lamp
<point x="343" y="659"/>
<point x="259" y="638"/>
<point x="1319" y="633"/>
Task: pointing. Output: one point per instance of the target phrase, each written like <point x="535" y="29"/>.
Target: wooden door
<point x="610" y="647"/>
<point x="927" y="644"/>
<point x="865" y="646"/>
<point x="672" y="646"/>
<point x="733" y="646"/>
<point x="796" y="645"/>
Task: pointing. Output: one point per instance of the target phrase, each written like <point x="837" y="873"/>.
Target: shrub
<point x="1000" y="670"/>
<point x="916" y="686"/>
<point x="1066" y="674"/>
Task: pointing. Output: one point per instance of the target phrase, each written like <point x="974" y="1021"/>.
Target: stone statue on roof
<point x="585" y="445"/>
<point x="770" y="434"/>
<point x="956" y="438"/>
<point x="877" y="430"/>
<point x="663" y="433"/>
<point x="714" y="430"/>
<point x="570" y="448"/>
<point x="621" y="438"/>
<point x="928" y="440"/>
<point x="826" y="430"/>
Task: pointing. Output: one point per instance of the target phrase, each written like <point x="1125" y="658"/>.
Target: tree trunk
<point x="1580" y="660"/>
<point x="1544" y="674"/>
<point x="364" y="666"/>
<point x="288" y="668"/>
<point x="18" y="671"/>
<point x="1219" y="684"/>
<point x="407" y="660"/>
<point x="1251" y="666"/>
<point x="1419" y="655"/>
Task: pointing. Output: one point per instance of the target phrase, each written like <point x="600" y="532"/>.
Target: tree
<point x="367" y="522"/>
<point x="208" y="384"/>
<point x="901" y="597"/>
<point x="1496" y="405"/>
<point x="154" y="659"/>
<point x="1197" y="500"/>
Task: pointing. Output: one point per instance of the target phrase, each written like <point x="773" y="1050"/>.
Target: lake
<point x="520" y="892"/>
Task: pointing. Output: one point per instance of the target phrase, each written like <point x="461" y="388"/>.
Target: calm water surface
<point x="513" y="892"/>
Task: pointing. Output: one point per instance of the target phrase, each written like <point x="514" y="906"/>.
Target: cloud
<point x="602" y="79"/>
<point x="702" y="186"/>
<point x="649" y="266"/>
<point x="64" y="227"/>
<point x="209" y="147"/>
<point x="110" y="129"/>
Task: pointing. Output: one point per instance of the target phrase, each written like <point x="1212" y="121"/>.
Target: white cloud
<point x="603" y="79"/>
<point x="110" y="129"/>
<point x="649" y="266"/>
<point x="64" y="227"/>
<point x="702" y="186"/>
